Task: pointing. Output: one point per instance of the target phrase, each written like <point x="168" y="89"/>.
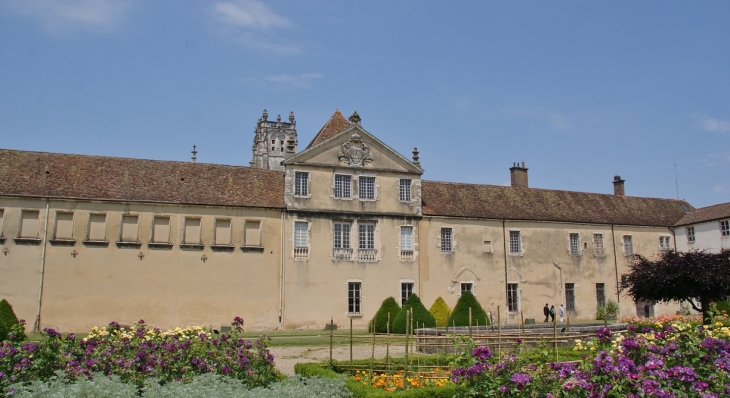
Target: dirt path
<point x="286" y="357"/>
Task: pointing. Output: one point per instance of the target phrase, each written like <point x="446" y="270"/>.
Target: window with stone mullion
<point x="342" y="235"/>
<point x="366" y="236"/>
<point x="342" y="186"/>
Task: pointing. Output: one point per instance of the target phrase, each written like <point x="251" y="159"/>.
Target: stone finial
<point x="355" y="118"/>
<point x="278" y="118"/>
<point x="415" y="156"/>
<point x="265" y="116"/>
<point x="291" y="117"/>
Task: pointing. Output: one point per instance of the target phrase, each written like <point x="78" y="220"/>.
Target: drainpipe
<point x="615" y="264"/>
<point x="504" y="244"/>
<point x="561" y="283"/>
<point x="37" y="325"/>
<point x="281" y="277"/>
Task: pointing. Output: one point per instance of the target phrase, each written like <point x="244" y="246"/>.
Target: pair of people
<point x="550" y="313"/>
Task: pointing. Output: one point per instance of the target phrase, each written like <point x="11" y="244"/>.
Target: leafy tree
<point x="460" y="316"/>
<point x="695" y="276"/>
<point x="7" y="315"/>
<point x="389" y="306"/>
<point x="421" y="316"/>
<point x="440" y="311"/>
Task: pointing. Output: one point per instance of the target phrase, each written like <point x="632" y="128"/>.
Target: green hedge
<point x="7" y="315"/>
<point x="421" y="316"/>
<point x="389" y="306"/>
<point x="460" y="315"/>
<point x="441" y="312"/>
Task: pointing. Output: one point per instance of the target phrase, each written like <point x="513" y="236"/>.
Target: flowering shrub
<point x="137" y="353"/>
<point x="674" y="357"/>
<point x="396" y="381"/>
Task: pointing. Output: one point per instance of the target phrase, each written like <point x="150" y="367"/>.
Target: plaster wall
<point x="708" y="236"/>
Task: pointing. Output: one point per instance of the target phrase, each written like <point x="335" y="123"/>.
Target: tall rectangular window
<point x="353" y="297"/>
<point x="97" y="228"/>
<point x="406" y="289"/>
<point x="406" y="238"/>
<point x="161" y="229"/>
<point x="447" y="241"/>
<point x="514" y="242"/>
<point x="404" y="190"/>
<point x="664" y="243"/>
<point x="366" y="236"/>
<point x="64" y="229"/>
<point x="192" y="231"/>
<point x="29" y="224"/>
<point x="574" y="244"/>
<point x="598" y="245"/>
<point x="342" y="235"/>
<point x="252" y="233"/>
<point x="223" y="232"/>
<point x="628" y="245"/>
<point x="342" y="186"/>
<point x="129" y="231"/>
<point x="690" y="234"/>
<point x="570" y="296"/>
<point x="366" y="188"/>
<point x="301" y="239"/>
<point x="724" y="227"/>
<point x="512" y="297"/>
<point x="600" y="294"/>
<point x="301" y="182"/>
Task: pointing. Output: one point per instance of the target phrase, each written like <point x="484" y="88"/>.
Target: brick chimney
<point x="518" y="175"/>
<point x="618" y="186"/>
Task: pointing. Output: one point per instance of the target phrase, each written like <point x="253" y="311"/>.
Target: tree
<point x="695" y="276"/>
<point x="460" y="315"/>
<point x="389" y="306"/>
<point x="421" y="316"/>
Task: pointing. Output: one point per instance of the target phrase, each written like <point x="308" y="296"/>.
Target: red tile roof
<point x="500" y="202"/>
<point x="55" y="175"/>
<point x="706" y="214"/>
<point x="336" y="124"/>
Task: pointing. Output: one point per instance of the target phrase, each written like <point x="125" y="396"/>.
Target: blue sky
<point x="581" y="91"/>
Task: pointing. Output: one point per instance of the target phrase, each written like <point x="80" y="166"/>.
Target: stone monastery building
<point x="301" y="236"/>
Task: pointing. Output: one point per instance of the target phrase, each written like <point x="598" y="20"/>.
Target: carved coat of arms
<point x="355" y="152"/>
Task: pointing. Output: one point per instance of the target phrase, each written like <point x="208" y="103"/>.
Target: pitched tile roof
<point x="705" y="214"/>
<point x="55" y="175"/>
<point x="500" y="202"/>
<point x="336" y="124"/>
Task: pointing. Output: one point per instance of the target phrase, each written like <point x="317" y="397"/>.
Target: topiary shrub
<point x="389" y="306"/>
<point x="441" y="312"/>
<point x="3" y="332"/>
<point x="421" y="316"/>
<point x="460" y="315"/>
<point x="7" y="316"/>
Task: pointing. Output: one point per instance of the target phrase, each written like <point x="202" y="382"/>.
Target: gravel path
<point x="286" y="357"/>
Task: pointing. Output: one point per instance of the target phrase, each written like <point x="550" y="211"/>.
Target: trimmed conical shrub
<point x="389" y="306"/>
<point x="3" y="332"/>
<point x="460" y="316"/>
<point x="440" y="311"/>
<point x="7" y="316"/>
<point x="421" y="316"/>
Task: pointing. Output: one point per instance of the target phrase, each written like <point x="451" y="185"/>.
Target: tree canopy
<point x="694" y="276"/>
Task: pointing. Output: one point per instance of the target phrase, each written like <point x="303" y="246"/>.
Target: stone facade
<point x="273" y="142"/>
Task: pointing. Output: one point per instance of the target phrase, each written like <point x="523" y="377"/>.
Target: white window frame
<point x="406" y="239"/>
<point x="520" y="247"/>
<point x="369" y="235"/>
<point x="340" y="190"/>
<point x="345" y="234"/>
<point x="303" y="248"/>
<point x="574" y="250"/>
<point x="691" y="238"/>
<point x="625" y="247"/>
<point x="599" y="252"/>
<point x="360" y="190"/>
<point x="55" y="225"/>
<point x="725" y="228"/>
<point x="403" y="283"/>
<point x="470" y="283"/>
<point x="517" y="298"/>
<point x="404" y="194"/>
<point x="356" y="306"/>
<point x="308" y="181"/>
<point x="446" y="248"/>
<point x="665" y="242"/>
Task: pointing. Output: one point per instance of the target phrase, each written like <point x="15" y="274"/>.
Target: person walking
<point x="561" y="313"/>
<point x="546" y="312"/>
<point x="552" y="313"/>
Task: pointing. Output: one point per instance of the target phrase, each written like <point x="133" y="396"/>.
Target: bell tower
<point x="273" y="142"/>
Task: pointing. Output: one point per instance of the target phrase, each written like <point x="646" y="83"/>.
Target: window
<point x="301" y="239"/>
<point x="570" y="296"/>
<point x="129" y="230"/>
<point x="406" y="289"/>
<point x="353" y="297"/>
<point x="600" y="294"/>
<point x="487" y="246"/>
<point x="664" y="243"/>
<point x="514" y="242"/>
<point x="222" y="232"/>
<point x="447" y="245"/>
<point x="574" y="244"/>
<point x="341" y="244"/>
<point x="161" y="229"/>
<point x="512" y="297"/>
<point x="404" y="189"/>
<point x="301" y="182"/>
<point x="598" y="245"/>
<point x="64" y="229"/>
<point x="628" y="245"/>
<point x="97" y="228"/>
<point x="367" y="187"/>
<point x="724" y="227"/>
<point x="366" y="242"/>
<point x="691" y="234"/>
<point x="406" y="242"/>
<point x="29" y="224"/>
<point x="192" y="231"/>
<point x="252" y="233"/>
<point x="342" y="186"/>
<point x="467" y="287"/>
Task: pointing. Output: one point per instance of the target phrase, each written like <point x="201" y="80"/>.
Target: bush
<point x="389" y="306"/>
<point x="460" y="316"/>
<point x="7" y="316"/>
<point x="441" y="312"/>
<point x="421" y="316"/>
<point x="3" y="332"/>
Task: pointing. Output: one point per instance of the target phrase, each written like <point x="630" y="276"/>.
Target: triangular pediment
<point x="355" y="148"/>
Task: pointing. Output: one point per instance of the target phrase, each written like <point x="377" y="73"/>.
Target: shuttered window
<point x="192" y="231"/>
<point x="222" y="232"/>
<point x="29" y="224"/>
<point x="130" y="229"/>
<point x="64" y="228"/>
<point x="97" y="227"/>
<point x="161" y="230"/>
<point x="252" y="233"/>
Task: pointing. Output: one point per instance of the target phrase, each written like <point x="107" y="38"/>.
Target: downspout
<point x="37" y="326"/>
<point x="615" y="264"/>
<point x="281" y="276"/>
<point x="504" y="244"/>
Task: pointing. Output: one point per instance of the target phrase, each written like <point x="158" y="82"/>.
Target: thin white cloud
<point x="282" y="82"/>
<point x="716" y="125"/>
<point x="717" y="159"/>
<point x="559" y="121"/>
<point x="719" y="188"/>
<point x="249" y="14"/>
<point x="60" y="16"/>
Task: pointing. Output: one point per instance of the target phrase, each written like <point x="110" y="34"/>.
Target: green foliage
<point x="723" y="306"/>
<point x="3" y="332"/>
<point x="611" y="309"/>
<point x="360" y="390"/>
<point x="441" y="312"/>
<point x="460" y="316"/>
<point x="314" y="369"/>
<point x="421" y="316"/>
<point x="389" y="306"/>
<point x="7" y="316"/>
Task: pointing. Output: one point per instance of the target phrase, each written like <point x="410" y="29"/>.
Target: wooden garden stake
<point x="499" y="334"/>
<point x="470" y="335"/>
<point x="372" y="355"/>
<point x="522" y="322"/>
<point x="350" y="341"/>
<point x="555" y="338"/>
<point x="332" y="322"/>
<point x="405" y="362"/>
<point x="387" y="342"/>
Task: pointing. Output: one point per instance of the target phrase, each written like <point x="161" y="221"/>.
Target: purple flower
<point x="520" y="379"/>
<point x="482" y="353"/>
